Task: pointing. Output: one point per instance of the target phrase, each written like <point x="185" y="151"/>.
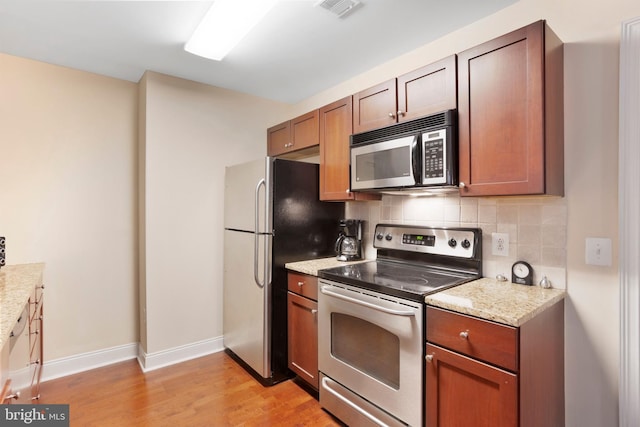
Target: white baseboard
<point x="65" y="366"/>
<point x="150" y="361"/>
<point x="62" y="367"/>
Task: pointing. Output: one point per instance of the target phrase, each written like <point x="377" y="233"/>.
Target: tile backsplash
<point x="537" y="227"/>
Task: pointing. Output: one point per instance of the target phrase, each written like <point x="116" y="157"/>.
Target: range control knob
<point x="388" y="237"/>
<point x="465" y="244"/>
<point x="379" y="236"/>
<point x="452" y="242"/>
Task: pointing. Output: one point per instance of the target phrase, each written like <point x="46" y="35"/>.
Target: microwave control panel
<point x="434" y="157"/>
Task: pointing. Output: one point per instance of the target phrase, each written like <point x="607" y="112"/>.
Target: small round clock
<point x="522" y="273"/>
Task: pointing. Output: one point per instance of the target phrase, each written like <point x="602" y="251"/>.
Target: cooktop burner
<point x="414" y="262"/>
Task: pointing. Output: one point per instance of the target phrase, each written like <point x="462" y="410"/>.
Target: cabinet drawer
<point x="487" y="341"/>
<point x="303" y="284"/>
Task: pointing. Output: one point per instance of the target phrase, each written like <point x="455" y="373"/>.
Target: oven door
<point x="372" y="346"/>
<point x="385" y="164"/>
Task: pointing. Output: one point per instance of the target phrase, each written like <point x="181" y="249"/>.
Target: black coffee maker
<point x="349" y="243"/>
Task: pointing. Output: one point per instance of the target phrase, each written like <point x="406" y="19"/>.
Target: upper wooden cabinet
<point x="424" y="91"/>
<point x="511" y="115"/>
<point x="335" y="129"/>
<point x="293" y="135"/>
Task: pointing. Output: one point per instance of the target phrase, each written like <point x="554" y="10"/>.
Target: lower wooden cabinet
<point x="462" y="391"/>
<point x="303" y="327"/>
<point x="485" y="374"/>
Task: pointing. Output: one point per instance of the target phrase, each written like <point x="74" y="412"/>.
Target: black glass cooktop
<point x="402" y="280"/>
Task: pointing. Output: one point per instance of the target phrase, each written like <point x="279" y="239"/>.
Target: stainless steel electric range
<point x="371" y="321"/>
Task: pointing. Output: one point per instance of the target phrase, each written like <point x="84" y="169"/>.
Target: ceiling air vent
<point x="339" y="7"/>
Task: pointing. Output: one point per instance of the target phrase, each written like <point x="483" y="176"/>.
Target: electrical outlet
<point x="500" y="244"/>
<point x="598" y="251"/>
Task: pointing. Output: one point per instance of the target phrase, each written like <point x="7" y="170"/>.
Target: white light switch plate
<point x="598" y="251"/>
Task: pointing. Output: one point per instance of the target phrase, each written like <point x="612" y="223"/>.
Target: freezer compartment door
<point x="246" y="316"/>
<point x="240" y="187"/>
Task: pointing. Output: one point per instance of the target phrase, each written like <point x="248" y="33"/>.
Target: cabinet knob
<point x="401" y="113"/>
<point x="462" y="185"/>
<point x="314" y="311"/>
<point x="392" y="115"/>
<point x="14" y="396"/>
<point x="300" y="284"/>
<point x="429" y="358"/>
<point x="464" y="335"/>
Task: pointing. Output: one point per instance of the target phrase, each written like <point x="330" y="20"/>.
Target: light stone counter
<point x="17" y="283"/>
<point x="312" y="266"/>
<point x="501" y="302"/>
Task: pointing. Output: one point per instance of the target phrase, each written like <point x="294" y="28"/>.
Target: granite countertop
<point x="501" y="302"/>
<point x="312" y="266"/>
<point x="16" y="286"/>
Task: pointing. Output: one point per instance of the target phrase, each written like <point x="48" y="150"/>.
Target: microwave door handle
<point x="416" y="158"/>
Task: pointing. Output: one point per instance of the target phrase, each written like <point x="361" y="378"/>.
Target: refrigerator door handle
<point x="256" y="239"/>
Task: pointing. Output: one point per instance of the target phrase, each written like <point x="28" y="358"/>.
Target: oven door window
<point x="366" y="347"/>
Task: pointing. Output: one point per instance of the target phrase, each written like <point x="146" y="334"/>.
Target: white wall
<point x="192" y="131"/>
<point x="68" y="198"/>
<point x="590" y="30"/>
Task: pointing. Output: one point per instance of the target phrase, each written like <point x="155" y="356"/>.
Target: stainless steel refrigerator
<point x="272" y="215"/>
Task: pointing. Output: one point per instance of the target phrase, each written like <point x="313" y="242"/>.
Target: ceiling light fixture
<point x="224" y="25"/>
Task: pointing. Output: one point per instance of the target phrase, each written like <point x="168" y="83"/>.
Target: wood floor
<point x="209" y="391"/>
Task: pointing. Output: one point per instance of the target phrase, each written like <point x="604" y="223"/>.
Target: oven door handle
<point x="326" y="291"/>
<point x="325" y="386"/>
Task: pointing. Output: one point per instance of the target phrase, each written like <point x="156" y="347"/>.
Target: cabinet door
<point x="461" y="391"/>
<point x="278" y="139"/>
<point x="304" y="131"/>
<point x="303" y="337"/>
<point x="502" y="115"/>
<point x="428" y="90"/>
<point x="335" y="128"/>
<point x="375" y="107"/>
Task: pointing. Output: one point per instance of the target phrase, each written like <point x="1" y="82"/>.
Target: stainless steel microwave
<point x="417" y="154"/>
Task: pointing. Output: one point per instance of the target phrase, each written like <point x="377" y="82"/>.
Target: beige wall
<point x="192" y="132"/>
<point x="590" y="30"/>
<point x="68" y="198"/>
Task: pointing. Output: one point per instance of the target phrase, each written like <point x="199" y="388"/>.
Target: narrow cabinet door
<point x="461" y="391"/>
<point x="501" y="115"/>
<point x="335" y="129"/>
<point x="303" y="337"/>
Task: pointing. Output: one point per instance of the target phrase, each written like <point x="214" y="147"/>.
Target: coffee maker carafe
<point x="349" y="243"/>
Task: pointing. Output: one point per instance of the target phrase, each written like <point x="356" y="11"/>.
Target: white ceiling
<point x="297" y="51"/>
